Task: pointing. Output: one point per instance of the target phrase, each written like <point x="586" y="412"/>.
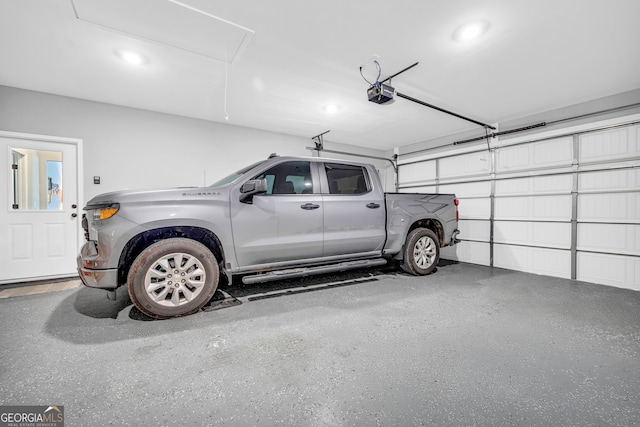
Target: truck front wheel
<point x="421" y="252"/>
<point x="173" y="277"/>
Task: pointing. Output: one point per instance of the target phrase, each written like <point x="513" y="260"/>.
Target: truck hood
<point x="161" y="195"/>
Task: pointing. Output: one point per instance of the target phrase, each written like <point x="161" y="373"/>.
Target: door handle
<point x="309" y="206"/>
<point x="373" y="205"/>
<point x="73" y="215"/>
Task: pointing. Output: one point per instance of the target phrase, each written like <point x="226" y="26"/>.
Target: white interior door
<point x="39" y="208"/>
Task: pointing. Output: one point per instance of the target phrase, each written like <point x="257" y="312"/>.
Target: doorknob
<point x="74" y="215"/>
<point x="74" y="206"/>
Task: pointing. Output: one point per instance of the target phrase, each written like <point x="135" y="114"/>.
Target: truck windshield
<point x="235" y="175"/>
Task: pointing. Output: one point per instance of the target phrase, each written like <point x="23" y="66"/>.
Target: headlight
<point x="103" y="211"/>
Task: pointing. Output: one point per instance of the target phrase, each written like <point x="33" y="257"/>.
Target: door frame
<point x="79" y="164"/>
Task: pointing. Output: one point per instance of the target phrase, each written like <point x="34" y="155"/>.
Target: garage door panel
<point x="417" y="172"/>
<point x="475" y="208"/>
<point x="511" y="257"/>
<point x="471" y="252"/>
<point x="472" y="189"/>
<point x="513" y="208"/>
<point x="543" y="234"/>
<point x="423" y="189"/>
<point x="555" y="152"/>
<point x="614" y="270"/>
<point x="512" y="158"/>
<point x="542" y="208"/>
<point x="464" y="165"/>
<point x="609" y="180"/>
<point x="613" y="238"/>
<point x="551" y="262"/>
<point x="474" y="230"/>
<point x="533" y="260"/>
<point x="610" y="207"/>
<point x="610" y="145"/>
<point x="547" y="154"/>
<point x="552" y="207"/>
<point x="532" y="185"/>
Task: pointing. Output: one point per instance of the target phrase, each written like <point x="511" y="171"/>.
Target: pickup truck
<point x="280" y="218"/>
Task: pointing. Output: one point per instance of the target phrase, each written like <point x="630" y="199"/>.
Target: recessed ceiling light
<point x="131" y="57"/>
<point x="470" y="31"/>
<point x="331" y="109"/>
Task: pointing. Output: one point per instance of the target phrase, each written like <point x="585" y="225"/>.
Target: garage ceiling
<point x="283" y="63"/>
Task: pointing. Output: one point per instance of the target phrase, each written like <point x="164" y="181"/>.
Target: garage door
<point x="565" y="206"/>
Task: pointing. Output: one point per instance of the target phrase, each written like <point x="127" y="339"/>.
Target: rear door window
<point x="347" y="179"/>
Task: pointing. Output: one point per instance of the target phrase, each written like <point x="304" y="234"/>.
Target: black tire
<point x="172" y="278"/>
<point x="421" y="252"/>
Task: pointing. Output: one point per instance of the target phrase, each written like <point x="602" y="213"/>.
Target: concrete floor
<point x="468" y="345"/>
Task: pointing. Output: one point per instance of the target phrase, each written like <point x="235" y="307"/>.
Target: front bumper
<point x="102" y="279"/>
<point x="90" y="272"/>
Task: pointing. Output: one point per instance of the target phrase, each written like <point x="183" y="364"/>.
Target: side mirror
<point x="251" y="188"/>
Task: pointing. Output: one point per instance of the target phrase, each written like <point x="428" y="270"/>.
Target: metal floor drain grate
<point x="221" y="300"/>
<point x="310" y="289"/>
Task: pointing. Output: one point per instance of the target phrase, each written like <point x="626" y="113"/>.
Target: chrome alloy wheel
<point x="424" y="252"/>
<point x="175" y="279"/>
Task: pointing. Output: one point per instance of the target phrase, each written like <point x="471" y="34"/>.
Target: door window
<point x="288" y="178"/>
<point x="36" y="180"/>
<point x="346" y="179"/>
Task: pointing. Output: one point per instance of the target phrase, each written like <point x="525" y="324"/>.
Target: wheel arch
<point x="138" y="243"/>
<point x="431" y="224"/>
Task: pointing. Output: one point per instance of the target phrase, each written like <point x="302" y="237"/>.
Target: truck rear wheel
<point x="173" y="277"/>
<point x="421" y="252"/>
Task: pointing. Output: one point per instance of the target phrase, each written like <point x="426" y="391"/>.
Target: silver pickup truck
<point x="279" y="218"/>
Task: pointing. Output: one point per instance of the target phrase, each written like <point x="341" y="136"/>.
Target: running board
<point x="310" y="271"/>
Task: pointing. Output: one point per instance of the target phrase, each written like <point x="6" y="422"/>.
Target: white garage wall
<point x="563" y="203"/>
<point x="130" y="148"/>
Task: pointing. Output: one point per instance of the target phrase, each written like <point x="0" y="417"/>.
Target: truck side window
<point x="288" y="178"/>
<point x="346" y="179"/>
